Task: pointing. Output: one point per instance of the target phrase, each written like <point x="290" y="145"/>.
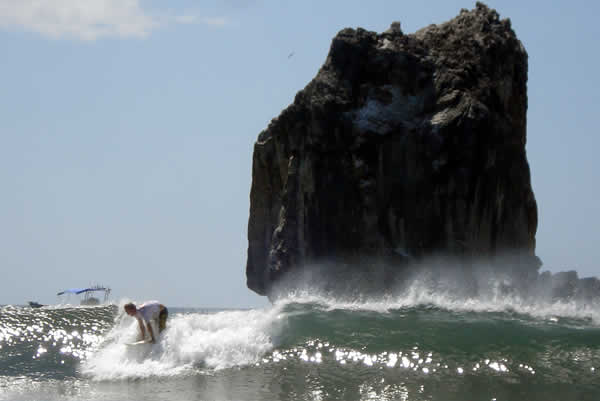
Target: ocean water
<point x="418" y="346"/>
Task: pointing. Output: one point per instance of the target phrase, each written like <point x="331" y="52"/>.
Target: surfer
<point x="148" y="312"/>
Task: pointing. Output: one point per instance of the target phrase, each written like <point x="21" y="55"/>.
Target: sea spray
<point x="449" y="286"/>
<point x="567" y="310"/>
<point x="192" y="341"/>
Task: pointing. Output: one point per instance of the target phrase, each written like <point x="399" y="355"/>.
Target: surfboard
<point x="139" y="342"/>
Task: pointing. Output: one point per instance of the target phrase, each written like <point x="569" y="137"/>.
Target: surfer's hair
<point x="129" y="306"/>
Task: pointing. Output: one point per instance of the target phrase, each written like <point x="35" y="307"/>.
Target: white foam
<point x="191" y="341"/>
<point x="420" y="294"/>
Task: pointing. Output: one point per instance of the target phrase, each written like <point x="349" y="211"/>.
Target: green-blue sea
<point x="417" y="346"/>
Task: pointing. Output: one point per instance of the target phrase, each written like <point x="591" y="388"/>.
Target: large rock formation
<point x="402" y="147"/>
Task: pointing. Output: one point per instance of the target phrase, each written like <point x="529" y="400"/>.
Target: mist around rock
<point x="500" y="281"/>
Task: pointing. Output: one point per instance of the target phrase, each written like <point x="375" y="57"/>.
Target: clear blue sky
<point x="127" y="128"/>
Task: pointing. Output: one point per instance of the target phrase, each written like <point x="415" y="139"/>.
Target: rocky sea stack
<point x="404" y="147"/>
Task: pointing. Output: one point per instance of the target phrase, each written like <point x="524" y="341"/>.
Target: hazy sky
<point x="127" y="128"/>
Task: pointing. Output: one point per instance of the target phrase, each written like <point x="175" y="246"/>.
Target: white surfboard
<point x="139" y="342"/>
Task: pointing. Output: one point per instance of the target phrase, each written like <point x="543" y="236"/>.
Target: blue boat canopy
<point x="82" y="290"/>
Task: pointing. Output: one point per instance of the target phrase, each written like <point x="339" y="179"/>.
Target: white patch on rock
<point x="441" y="117"/>
<point x="385" y="44"/>
<point x="381" y="118"/>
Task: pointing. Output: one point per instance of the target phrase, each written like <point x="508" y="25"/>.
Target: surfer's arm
<point x="142" y="329"/>
<point x="151" y="332"/>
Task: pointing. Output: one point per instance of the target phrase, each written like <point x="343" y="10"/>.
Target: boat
<point x="88" y="298"/>
<point x="34" y="304"/>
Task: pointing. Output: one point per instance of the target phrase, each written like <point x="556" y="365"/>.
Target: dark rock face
<point x="402" y="147"/>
